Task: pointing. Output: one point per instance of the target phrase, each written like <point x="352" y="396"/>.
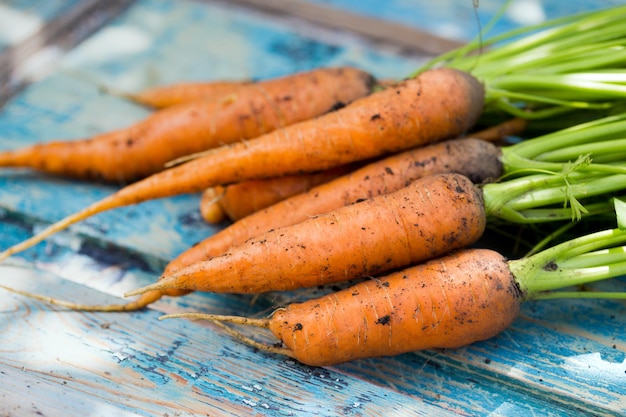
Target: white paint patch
<point x="62" y="238"/>
<point x="40" y="64"/>
<point x="113" y="43"/>
<point x="16" y="25"/>
<point x="526" y="12"/>
<point x="592" y="365"/>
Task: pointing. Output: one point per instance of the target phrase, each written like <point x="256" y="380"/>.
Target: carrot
<point x="210" y="207"/>
<point x="144" y="148"/>
<point x="427" y="218"/>
<point x="562" y="191"/>
<point x="476" y="159"/>
<point x="464" y="297"/>
<point x="160" y="97"/>
<point x="239" y="200"/>
<point x="500" y="131"/>
<point x="471" y="157"/>
<point x="438" y="104"/>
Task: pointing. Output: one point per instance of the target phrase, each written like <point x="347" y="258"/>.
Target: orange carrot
<point x="210" y="207"/>
<point x="438" y="104"/>
<point x="449" y="302"/>
<point x="144" y="148"/>
<point x="474" y="158"/>
<point x="169" y="95"/>
<point x="500" y="131"/>
<point x="427" y="218"/>
<point x="239" y="200"/>
<point x="452" y="301"/>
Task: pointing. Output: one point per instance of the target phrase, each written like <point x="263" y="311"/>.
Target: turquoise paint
<point x="458" y="19"/>
<point x="529" y="369"/>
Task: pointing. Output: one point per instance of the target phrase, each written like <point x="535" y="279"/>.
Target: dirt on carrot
<point x="436" y="105"/>
<point x="448" y="302"/>
<point x="427" y="218"/>
<point x="474" y="158"/>
<point x="134" y="152"/>
<point x="242" y="199"/>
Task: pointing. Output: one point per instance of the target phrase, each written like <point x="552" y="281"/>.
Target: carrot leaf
<point x="620" y="212"/>
<point x="582" y="260"/>
<point x="542" y="71"/>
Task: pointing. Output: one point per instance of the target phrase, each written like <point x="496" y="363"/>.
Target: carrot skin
<point x="436" y="105"/>
<point x="210" y="208"/>
<point x="449" y="302"/>
<point x="428" y="218"/>
<point x="239" y="200"/>
<point x="476" y="159"/>
<point x="128" y="154"/>
<point x="160" y="97"/>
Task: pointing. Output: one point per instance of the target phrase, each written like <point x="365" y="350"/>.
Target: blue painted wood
<point x="159" y="42"/>
<point x="529" y="369"/>
<point x="132" y="364"/>
<point x="20" y="19"/>
<point x="459" y="20"/>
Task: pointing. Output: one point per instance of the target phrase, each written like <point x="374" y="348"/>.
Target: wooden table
<point x="561" y="358"/>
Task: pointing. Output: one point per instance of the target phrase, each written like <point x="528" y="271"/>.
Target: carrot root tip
<point x="142" y="290"/>
<point x="132" y="306"/>
<point x="219" y="320"/>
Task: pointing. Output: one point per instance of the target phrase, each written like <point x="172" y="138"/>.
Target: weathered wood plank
<point x="368" y="25"/>
<point x="34" y="36"/>
<point x="524" y="370"/>
<point x="129" y="364"/>
<point x="21" y="19"/>
<point x="456" y="20"/>
<point x="82" y="363"/>
<point x="188" y="367"/>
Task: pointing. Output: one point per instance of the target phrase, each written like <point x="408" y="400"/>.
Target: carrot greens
<point x="545" y="70"/>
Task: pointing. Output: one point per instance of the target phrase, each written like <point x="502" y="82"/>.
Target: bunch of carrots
<point x="394" y="181"/>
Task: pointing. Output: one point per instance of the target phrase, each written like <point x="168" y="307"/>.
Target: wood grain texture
<point x="95" y="364"/>
<point x="561" y="358"/>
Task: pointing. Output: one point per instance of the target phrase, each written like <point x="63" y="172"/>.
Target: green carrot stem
<point x="602" y="152"/>
<point x="553" y="214"/>
<point x="604" y="129"/>
<point x="548" y="281"/>
<point x="516" y="200"/>
<point x="544" y="271"/>
<point x="596" y="258"/>
<point x="554" y="295"/>
<point x="579" y="189"/>
<point x="523" y="39"/>
<point x="583" y="90"/>
<point x="502" y="103"/>
<point x="497" y="93"/>
<point x="530" y="67"/>
<point x="612" y="162"/>
<point x="544" y="242"/>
